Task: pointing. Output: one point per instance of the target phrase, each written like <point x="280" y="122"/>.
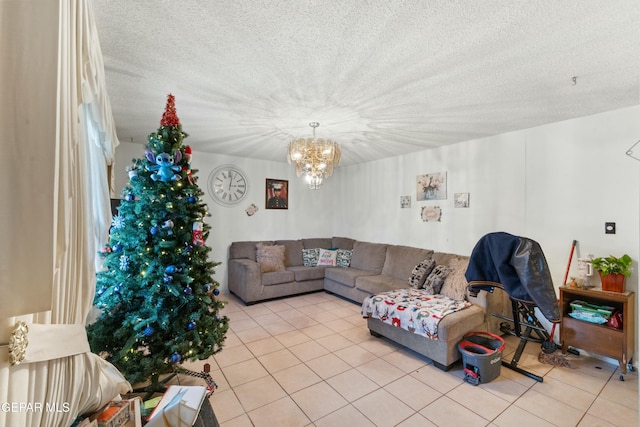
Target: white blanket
<point x="412" y="309"/>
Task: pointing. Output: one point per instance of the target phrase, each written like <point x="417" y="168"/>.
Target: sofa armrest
<point x="497" y="302"/>
<point x="244" y="279"/>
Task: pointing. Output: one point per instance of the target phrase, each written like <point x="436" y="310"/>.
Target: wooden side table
<point x="617" y="344"/>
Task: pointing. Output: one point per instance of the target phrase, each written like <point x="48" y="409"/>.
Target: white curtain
<point x="58" y="378"/>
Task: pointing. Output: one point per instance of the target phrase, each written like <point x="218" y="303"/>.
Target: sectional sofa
<point x="374" y="268"/>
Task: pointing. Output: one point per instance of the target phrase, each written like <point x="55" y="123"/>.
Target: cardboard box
<point x="116" y="414"/>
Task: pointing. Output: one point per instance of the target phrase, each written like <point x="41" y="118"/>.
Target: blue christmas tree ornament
<point x="148" y="331"/>
<point x="176" y="358"/>
<point x="188" y="290"/>
<point x="117" y="222"/>
<point x="124" y="262"/>
<point x="192" y="325"/>
<point x="216" y="291"/>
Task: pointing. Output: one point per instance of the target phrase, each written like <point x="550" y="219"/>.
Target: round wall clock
<point x="227" y="185"/>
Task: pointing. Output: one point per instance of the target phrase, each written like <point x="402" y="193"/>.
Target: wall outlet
<point x="609" y="228"/>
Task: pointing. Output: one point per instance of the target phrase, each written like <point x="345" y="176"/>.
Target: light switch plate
<point x="610" y="228"/>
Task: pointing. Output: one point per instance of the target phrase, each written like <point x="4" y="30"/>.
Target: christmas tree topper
<point x="170" y="117"/>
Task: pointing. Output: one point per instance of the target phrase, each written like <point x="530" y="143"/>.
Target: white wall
<point x="369" y="203"/>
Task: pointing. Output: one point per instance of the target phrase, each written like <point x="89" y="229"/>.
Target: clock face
<point x="227" y="185"/>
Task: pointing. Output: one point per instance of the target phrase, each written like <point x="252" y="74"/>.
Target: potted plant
<point x="613" y="271"/>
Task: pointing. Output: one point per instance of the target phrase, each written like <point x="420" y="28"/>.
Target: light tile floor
<point x="310" y="361"/>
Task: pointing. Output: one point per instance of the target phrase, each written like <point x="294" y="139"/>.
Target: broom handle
<point x="566" y="273"/>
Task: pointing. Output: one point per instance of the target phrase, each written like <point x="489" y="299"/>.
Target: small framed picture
<point x="405" y="202"/>
<point x="276" y="194"/>
<point x="431" y="214"/>
<point x="460" y="200"/>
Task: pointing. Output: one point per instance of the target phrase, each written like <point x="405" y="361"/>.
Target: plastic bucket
<point x="481" y="356"/>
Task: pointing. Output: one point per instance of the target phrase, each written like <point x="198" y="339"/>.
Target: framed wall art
<point x="276" y="194"/>
<point x="405" y="202"/>
<point x="431" y="214"/>
<point x="460" y="200"/>
<point x="431" y="186"/>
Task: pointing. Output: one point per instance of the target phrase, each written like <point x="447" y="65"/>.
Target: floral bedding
<point x="412" y="309"/>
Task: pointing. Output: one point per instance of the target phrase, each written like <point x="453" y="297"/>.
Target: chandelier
<point x="314" y="157"/>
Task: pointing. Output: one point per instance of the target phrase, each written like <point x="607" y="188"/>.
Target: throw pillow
<point x="270" y="258"/>
<point x="327" y="257"/>
<point x="455" y="286"/>
<point x="310" y="257"/>
<point x="344" y="258"/>
<point x="421" y="272"/>
<point x="436" y="279"/>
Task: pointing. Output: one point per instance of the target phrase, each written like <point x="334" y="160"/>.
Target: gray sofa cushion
<point x="443" y="258"/>
<point x="369" y="256"/>
<point x="324" y="243"/>
<point x="379" y="284"/>
<point x="400" y="260"/>
<point x="342" y="242"/>
<point x="245" y="250"/>
<point x="277" y="277"/>
<point x="345" y="276"/>
<point x="302" y="273"/>
<point x="456" y="324"/>
<point x="292" y="252"/>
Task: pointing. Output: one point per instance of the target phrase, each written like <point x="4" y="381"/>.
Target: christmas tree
<point x="156" y="291"/>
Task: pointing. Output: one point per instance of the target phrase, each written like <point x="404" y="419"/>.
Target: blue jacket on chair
<point x="518" y="266"/>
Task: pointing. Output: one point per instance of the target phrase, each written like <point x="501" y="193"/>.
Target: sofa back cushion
<point x="245" y="250"/>
<point x="324" y="243"/>
<point x="401" y="260"/>
<point x="443" y="258"/>
<point x="369" y="256"/>
<point x="292" y="252"/>
<point x="342" y="243"/>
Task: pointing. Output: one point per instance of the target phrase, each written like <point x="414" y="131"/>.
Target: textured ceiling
<point x="382" y="77"/>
